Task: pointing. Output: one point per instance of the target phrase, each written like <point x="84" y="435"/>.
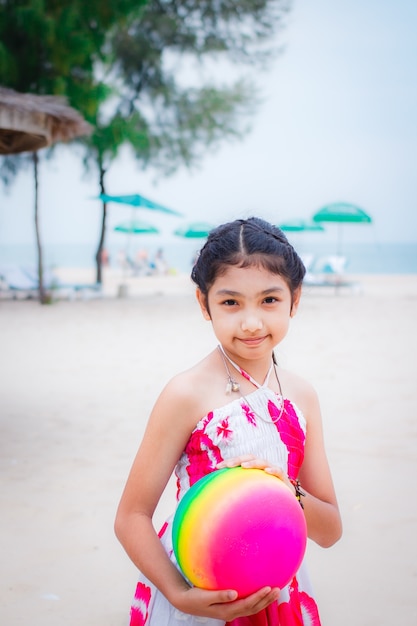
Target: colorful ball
<point x="239" y="529"/>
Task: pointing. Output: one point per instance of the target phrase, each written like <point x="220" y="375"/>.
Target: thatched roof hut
<point x="29" y="122"/>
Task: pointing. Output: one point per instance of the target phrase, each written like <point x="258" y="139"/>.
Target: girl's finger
<point x="276" y="471"/>
<point x="235" y="461"/>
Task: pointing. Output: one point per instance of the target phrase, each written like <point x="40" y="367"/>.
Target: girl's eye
<point x="230" y="302"/>
<point x="270" y="300"/>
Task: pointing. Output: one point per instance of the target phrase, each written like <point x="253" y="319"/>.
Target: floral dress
<point x="256" y="424"/>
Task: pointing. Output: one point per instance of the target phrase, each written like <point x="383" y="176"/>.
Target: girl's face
<point x="250" y="310"/>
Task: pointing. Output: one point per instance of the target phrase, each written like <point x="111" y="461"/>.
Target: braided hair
<point x="247" y="243"/>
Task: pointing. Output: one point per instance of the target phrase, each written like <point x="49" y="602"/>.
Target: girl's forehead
<point x="249" y="278"/>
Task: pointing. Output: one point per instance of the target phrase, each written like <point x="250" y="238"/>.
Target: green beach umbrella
<point x="195" y="230"/>
<point x="138" y="201"/>
<point x="341" y="213"/>
<point x="301" y="226"/>
<point x="129" y="228"/>
<point x="296" y="226"/>
<point x="135" y="227"/>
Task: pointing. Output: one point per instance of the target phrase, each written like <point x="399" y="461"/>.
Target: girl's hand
<point x="249" y="461"/>
<point x="224" y="605"/>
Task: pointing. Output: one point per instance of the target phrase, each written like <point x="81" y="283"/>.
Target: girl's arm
<point x="165" y="437"/>
<point x="320" y="503"/>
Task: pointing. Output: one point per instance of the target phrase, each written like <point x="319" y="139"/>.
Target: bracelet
<point x="298" y="491"/>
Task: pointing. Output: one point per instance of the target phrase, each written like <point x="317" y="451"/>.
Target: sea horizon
<point x="361" y="258"/>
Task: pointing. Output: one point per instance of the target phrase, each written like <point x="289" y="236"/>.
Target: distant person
<point x="121" y="259"/>
<point x="195" y="258"/>
<point x="160" y="265"/>
<point x="105" y="258"/>
<point x="236" y="407"/>
<point x="141" y="265"/>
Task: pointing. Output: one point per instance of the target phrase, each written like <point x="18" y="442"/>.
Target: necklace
<point x="233" y="385"/>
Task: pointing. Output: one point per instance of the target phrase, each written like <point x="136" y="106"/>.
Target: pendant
<point x="232" y="385"/>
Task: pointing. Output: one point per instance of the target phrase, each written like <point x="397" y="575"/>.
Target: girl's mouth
<point x="252" y="341"/>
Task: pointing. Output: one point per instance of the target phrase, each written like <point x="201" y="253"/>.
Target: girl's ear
<point x="295" y="301"/>
<point x="202" y="301"/>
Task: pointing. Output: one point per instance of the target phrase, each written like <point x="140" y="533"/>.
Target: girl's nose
<point x="251" y="323"/>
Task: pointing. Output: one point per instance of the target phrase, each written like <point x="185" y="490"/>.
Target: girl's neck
<point x="257" y="370"/>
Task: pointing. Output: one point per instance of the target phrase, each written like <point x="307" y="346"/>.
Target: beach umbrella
<point x="301" y="226"/>
<point x="341" y="213"/>
<point x="135" y="227"/>
<point x="195" y="230"/>
<point x="29" y="122"/>
<point x="132" y="227"/>
<point x="135" y="201"/>
<point x="138" y="201"/>
<point x="297" y="226"/>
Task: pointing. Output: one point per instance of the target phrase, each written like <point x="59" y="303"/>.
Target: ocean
<point x="362" y="258"/>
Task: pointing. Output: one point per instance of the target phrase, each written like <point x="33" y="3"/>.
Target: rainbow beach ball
<point x="239" y="529"/>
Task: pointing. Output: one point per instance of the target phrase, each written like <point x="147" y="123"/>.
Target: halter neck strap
<point x="245" y="374"/>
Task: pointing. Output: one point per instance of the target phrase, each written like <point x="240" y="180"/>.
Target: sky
<point x="338" y="122"/>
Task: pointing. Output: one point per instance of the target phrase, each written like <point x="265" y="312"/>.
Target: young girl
<point x="235" y="407"/>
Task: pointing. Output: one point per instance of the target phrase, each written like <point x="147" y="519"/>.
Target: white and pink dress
<point x="256" y="424"/>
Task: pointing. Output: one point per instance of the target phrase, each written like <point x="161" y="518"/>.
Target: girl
<point x="235" y="407"/>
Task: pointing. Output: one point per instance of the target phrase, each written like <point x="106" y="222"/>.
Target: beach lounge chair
<point x="50" y="281"/>
<point x="329" y="271"/>
<point x="22" y="282"/>
<point x="15" y="283"/>
<point x="308" y="260"/>
<point x="66" y="290"/>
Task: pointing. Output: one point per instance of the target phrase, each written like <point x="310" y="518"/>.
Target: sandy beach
<point x="78" y="379"/>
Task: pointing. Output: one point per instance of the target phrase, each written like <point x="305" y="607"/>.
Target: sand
<point x="78" y="379"/>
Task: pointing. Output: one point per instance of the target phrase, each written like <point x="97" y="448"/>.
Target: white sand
<point x="77" y="382"/>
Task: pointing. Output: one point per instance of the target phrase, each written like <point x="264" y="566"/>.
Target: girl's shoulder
<point x="198" y="390"/>
<point x="188" y="382"/>
<point x="186" y="393"/>
<point x="299" y="390"/>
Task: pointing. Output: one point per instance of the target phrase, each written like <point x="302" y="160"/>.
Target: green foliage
<point x="119" y="130"/>
<point x="118" y="63"/>
<point x="180" y="122"/>
<point x="110" y="60"/>
<point x="198" y="118"/>
<point x="53" y="46"/>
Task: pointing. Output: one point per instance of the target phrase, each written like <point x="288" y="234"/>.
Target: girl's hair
<point x="246" y="243"/>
